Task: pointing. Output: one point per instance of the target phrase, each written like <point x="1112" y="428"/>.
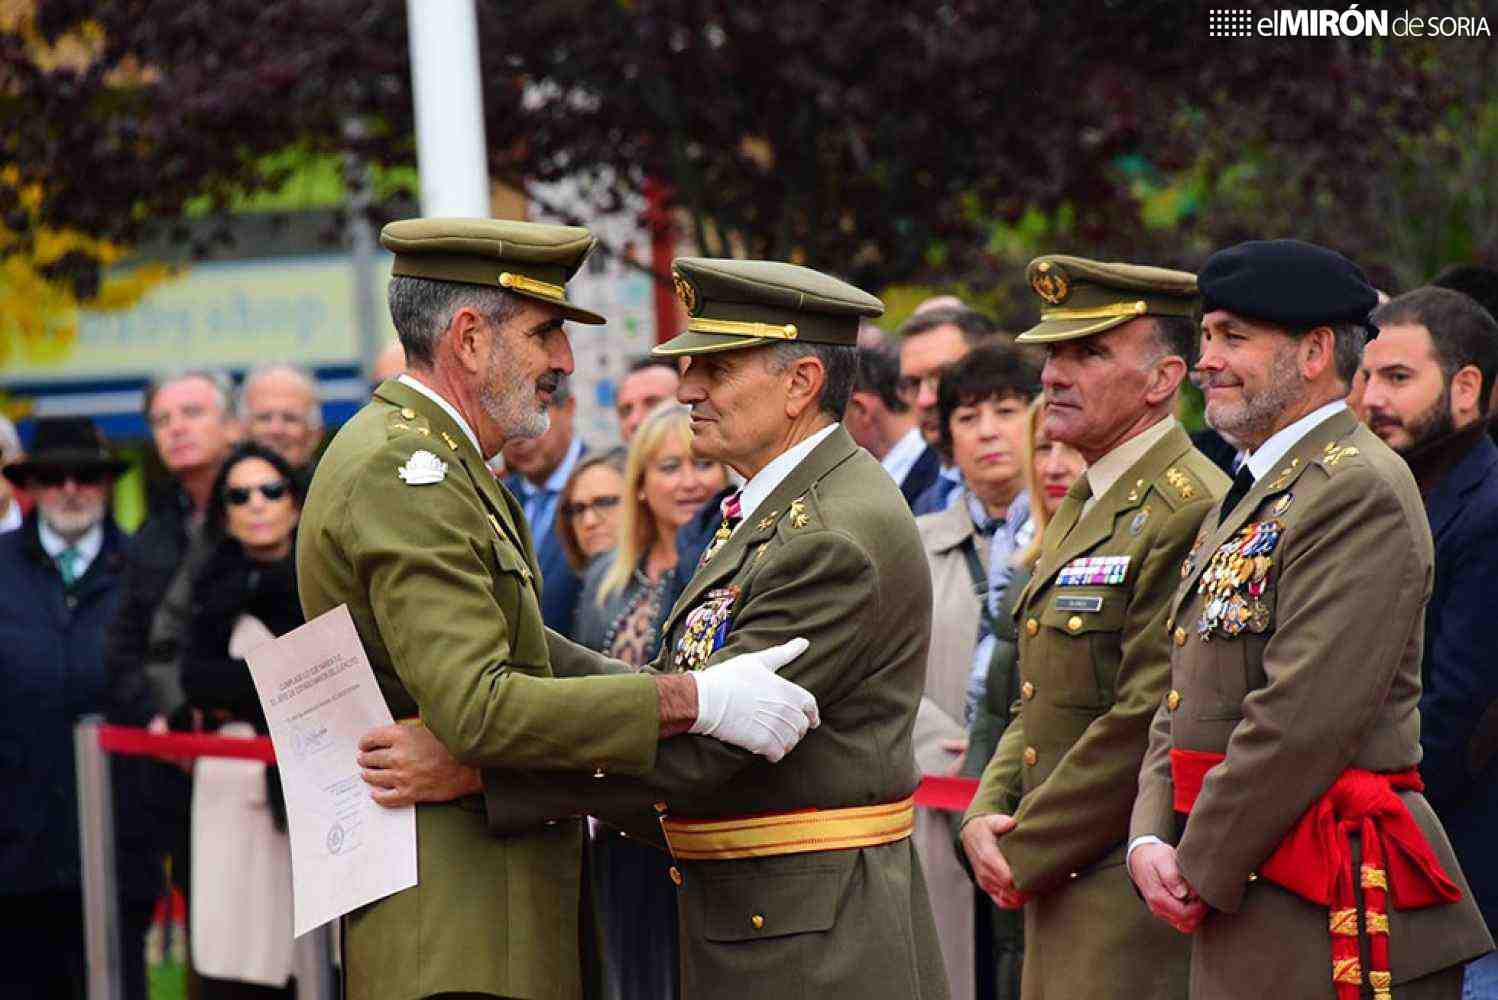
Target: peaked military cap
<point x="746" y="303"/>
<point x="1288" y="283"/>
<point x="524" y="258"/>
<point x="1083" y="297"/>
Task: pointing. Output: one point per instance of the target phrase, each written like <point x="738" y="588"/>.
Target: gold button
<point x="1031" y="756"/>
<point x="1032" y="627"/>
<point x="758" y="921"/>
<point x="598" y="772"/>
<point x="408" y="413"/>
<point x="1253" y="876"/>
<point x="1074" y="623"/>
<point x="675" y="874"/>
<point x="1027" y="690"/>
<point x="1180" y="636"/>
<point x="1173" y="700"/>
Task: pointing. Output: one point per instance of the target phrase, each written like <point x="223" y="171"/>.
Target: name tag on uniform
<point x="1093" y="571"/>
<point x="1076" y="603"/>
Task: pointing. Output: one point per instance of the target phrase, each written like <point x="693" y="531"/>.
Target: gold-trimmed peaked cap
<point x="746" y="303"/>
<point x="1081" y="297"/>
<point x="524" y="258"/>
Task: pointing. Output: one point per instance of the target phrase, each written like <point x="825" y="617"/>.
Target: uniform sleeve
<point x="789" y="598"/>
<point x="999" y="789"/>
<point x="1154" y="806"/>
<point x="1344" y="621"/>
<point x="1098" y="776"/>
<point x="446" y="595"/>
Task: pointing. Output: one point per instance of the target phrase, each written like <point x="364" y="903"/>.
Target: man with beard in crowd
<point x="1429" y="383"/>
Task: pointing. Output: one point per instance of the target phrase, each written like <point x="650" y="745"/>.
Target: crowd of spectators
<point x="152" y="629"/>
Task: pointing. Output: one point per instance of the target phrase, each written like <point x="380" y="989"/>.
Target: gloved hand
<point x="743" y="702"/>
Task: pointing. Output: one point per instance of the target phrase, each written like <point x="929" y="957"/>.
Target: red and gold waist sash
<point x="1314" y="861"/>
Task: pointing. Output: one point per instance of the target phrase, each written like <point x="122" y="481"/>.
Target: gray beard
<point x="511" y="404"/>
<point x="1256" y="414"/>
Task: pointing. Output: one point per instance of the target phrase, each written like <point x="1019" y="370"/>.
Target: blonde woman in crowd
<point x="620" y="613"/>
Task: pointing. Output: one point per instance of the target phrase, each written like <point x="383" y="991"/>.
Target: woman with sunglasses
<point x="244" y="594"/>
<point x="621" y="611"/>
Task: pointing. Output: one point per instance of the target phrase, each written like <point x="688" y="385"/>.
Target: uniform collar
<point x="447" y="407"/>
<point x="1102" y="474"/>
<point x="1268" y="455"/>
<point x="774" y="473"/>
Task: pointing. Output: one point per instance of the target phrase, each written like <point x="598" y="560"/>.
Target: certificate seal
<point x="335" y="839"/>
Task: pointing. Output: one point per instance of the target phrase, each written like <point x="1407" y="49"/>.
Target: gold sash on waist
<point x="797" y="832"/>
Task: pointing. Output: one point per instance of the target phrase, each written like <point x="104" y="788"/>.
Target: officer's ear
<point x="466" y="338"/>
<point x="1316" y="352"/>
<point x="1166" y="375"/>
<point x="805" y="378"/>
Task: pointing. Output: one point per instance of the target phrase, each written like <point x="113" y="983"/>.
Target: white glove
<point x="743" y="702"/>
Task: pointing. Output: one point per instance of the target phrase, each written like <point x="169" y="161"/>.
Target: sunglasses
<point x="239" y="495"/>
<point x="599" y="504"/>
<point x="56" y="477"/>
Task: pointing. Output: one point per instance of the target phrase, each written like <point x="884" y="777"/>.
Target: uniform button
<point x="758" y="921"/>
<point x="1027" y="690"/>
<point x="1031" y="756"/>
<point x="71" y="601"/>
<point x="675" y="874"/>
<point x="1032" y="627"/>
<point x="1173" y="700"/>
<point x="598" y="772"/>
<point x="1074" y="623"/>
<point x="1180" y="636"/>
<point x="408" y="413"/>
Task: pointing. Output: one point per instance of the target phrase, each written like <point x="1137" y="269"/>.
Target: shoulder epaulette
<point x="1337" y="455"/>
<point x="406" y="421"/>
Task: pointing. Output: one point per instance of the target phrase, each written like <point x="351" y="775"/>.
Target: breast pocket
<point x="1234" y="664"/>
<point x="515" y="589"/>
<point x="1083" y="634"/>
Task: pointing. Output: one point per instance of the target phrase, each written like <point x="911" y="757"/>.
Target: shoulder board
<point x="406" y="421"/>
<point x="1338" y="455"/>
<point x="1179" y="484"/>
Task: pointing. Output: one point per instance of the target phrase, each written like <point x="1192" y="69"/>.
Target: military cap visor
<point x="734" y="304"/>
<point x="527" y="259"/>
<point x="1288" y="283"/>
<point x="1084" y="297"/>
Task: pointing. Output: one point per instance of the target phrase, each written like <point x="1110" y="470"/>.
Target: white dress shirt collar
<point x="757" y="489"/>
<point x="1268" y="454"/>
<point x="87" y="547"/>
<point x="902" y="457"/>
<point x="448" y="408"/>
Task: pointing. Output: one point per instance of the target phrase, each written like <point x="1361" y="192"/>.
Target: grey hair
<point x="223" y="387"/>
<point x="839" y="362"/>
<point x="422" y="308"/>
<point x="10" y="441"/>
<point x="301" y="375"/>
<point x="1348" y="340"/>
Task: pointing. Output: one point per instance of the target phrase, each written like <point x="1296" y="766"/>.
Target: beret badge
<point x="684" y="291"/>
<point x="1050" y="283"/>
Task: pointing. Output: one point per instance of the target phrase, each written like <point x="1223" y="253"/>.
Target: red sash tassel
<point x="1314" y="861"/>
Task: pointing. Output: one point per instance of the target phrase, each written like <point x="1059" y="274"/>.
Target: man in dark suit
<point x="1430" y="379"/>
<point x="538" y="469"/>
<point x="881" y="422"/>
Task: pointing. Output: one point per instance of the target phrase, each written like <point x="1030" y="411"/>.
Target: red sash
<point x="1314" y="861"/>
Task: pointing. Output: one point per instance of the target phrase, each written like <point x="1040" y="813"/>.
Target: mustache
<point x="1377" y="418"/>
<point x="1203" y="380"/>
<point x="550" y="381"/>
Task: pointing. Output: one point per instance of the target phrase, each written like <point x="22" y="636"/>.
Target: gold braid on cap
<point x="1135" y="308"/>
<point x="774" y="332"/>
<point x="521" y="283"/>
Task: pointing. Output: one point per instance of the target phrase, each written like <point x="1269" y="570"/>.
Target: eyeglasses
<point x="909" y="386"/>
<point x="600" y="505"/>
<point x="237" y="496"/>
<point x="52" y="478"/>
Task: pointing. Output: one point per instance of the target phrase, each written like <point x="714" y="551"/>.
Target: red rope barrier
<point x="935" y="791"/>
<point x="176" y="746"/>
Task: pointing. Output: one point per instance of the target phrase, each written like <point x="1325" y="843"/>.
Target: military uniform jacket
<point x="1307" y="666"/>
<point x="832" y="555"/>
<point x="1094" y="664"/>
<point x="405" y="525"/>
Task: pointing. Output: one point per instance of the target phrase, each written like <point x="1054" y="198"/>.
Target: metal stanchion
<point x="313" y="965"/>
<point x="101" y="916"/>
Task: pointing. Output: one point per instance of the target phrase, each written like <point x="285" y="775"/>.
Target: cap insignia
<point x="685" y="291"/>
<point x="1050" y="283"/>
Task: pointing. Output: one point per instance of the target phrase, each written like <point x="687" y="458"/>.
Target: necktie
<point x="732" y="515"/>
<point x="1242" y="483"/>
<point x="1069" y="511"/>
<point x="67" y="565"/>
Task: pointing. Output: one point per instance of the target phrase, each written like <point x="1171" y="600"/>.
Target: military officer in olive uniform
<point x="1048" y="826"/>
<point x="405" y="524"/>
<point x="1296" y="632"/>
<point x="797" y="878"/>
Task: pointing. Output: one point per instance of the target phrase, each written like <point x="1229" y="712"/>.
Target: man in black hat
<point x="1282" y="763"/>
<point x="62" y="573"/>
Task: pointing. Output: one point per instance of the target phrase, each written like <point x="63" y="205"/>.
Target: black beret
<point x="1287" y="283"/>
